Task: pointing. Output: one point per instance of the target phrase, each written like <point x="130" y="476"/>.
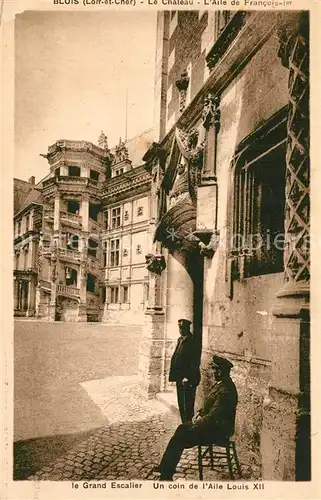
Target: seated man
<point x="212" y="424"/>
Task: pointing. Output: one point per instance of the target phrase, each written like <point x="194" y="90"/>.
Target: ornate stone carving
<point x="120" y="152"/>
<point x="189" y="139"/>
<point x="210" y="249"/>
<point x="102" y="141"/>
<point x="155" y="263"/>
<point x="293" y="31"/>
<point x="211" y="112"/>
<point x="182" y="84"/>
<point x="84" y="271"/>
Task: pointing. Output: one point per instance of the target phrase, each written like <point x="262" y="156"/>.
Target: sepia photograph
<point x="161" y="248"/>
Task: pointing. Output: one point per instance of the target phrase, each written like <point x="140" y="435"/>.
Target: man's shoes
<point x="163" y="477"/>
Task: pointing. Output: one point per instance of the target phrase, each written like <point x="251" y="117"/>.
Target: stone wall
<point x="243" y="328"/>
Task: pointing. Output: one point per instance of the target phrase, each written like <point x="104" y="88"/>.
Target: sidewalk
<point x="131" y="445"/>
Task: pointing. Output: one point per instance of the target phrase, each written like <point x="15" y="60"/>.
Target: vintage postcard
<point x="159" y="160"/>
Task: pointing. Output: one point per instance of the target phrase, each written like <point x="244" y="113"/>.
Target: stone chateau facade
<point x="220" y="209"/>
<point x="80" y="235"/>
<point x="231" y="219"/>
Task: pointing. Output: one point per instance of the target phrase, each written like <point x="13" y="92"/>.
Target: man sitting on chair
<point x="214" y="423"/>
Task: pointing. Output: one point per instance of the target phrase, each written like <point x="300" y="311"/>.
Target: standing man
<point x="213" y="423"/>
<point x="184" y="370"/>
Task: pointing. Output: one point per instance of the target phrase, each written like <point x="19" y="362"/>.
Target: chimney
<point x="32" y="180"/>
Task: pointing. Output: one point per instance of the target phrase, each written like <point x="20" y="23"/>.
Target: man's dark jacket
<point x="184" y="362"/>
<point x="217" y="417"/>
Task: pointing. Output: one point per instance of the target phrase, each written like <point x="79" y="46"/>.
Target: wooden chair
<point x="222" y="455"/>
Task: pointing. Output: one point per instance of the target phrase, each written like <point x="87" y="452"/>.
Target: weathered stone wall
<point x="243" y="328"/>
<point x="68" y="310"/>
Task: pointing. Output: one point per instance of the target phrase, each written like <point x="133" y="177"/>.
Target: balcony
<point x="73" y="182"/>
<point x="70" y="219"/>
<point x="69" y="255"/>
<point x="68" y="291"/>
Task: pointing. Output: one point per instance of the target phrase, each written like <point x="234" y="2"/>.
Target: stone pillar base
<point x="151" y="354"/>
<point x="82" y="314"/>
<point x="278" y="437"/>
<point x="52" y="312"/>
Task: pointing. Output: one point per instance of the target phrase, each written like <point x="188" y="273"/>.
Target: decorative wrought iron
<point x="293" y="30"/>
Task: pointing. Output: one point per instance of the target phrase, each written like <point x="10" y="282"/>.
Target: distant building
<point x="231" y="219"/>
<point x="80" y="235"/>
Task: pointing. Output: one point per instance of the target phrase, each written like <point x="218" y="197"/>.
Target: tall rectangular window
<point x="94" y="175"/>
<point x="125" y="294"/>
<point x="105" y="219"/>
<point x="27" y="222"/>
<point x="114" y="294"/>
<point x="259" y="201"/>
<point x="114" y="252"/>
<point x="115" y="217"/>
<point x="105" y="254"/>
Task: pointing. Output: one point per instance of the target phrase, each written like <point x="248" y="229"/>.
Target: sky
<point x="72" y="70"/>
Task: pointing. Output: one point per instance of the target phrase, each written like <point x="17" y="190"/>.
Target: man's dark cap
<point x="222" y="363"/>
<point x="184" y="322"/>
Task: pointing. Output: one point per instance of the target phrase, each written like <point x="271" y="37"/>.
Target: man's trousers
<point x="186" y="401"/>
<point x="185" y="436"/>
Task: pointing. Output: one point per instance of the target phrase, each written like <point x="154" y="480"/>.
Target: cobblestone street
<point x="125" y="434"/>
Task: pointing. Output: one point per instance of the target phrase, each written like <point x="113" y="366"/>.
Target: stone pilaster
<point x="151" y="353"/>
<point x="31" y="298"/>
<point x="285" y="442"/>
<point x="207" y="192"/>
<point x="84" y="212"/>
<point x="83" y="270"/>
<point x="15" y="293"/>
<point x="57" y="212"/>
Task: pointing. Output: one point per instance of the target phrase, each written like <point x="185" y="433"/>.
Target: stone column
<point x="15" y="293"/>
<point x="179" y="303"/>
<point x="152" y="346"/>
<point x="38" y="301"/>
<point x="105" y="313"/>
<point x="180" y="292"/>
<point x="285" y="442"/>
<point x="84" y="212"/>
<point x="25" y="296"/>
<point x="31" y="298"/>
<point x="57" y="212"/>
<point x="207" y="192"/>
<point x="82" y="308"/>
<point x="54" y="275"/>
<point x="18" y="295"/>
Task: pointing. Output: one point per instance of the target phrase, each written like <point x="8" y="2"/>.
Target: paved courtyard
<point x="79" y="412"/>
